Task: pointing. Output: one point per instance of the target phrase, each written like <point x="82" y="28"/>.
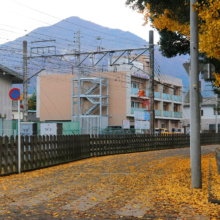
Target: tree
<point x="32" y="102"/>
<point x="171" y="19"/>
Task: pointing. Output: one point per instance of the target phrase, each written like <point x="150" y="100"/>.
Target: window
<point x="201" y="112"/>
<point x="135" y="85"/>
<point x="135" y="104"/>
<point x="163" y="125"/>
<point x="211" y="127"/>
<point x="175" y="108"/>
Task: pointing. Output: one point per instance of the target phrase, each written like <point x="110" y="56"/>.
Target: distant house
<point x="7" y="78"/>
<point x="208" y="114"/>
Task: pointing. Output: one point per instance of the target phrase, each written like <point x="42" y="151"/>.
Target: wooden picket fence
<point x="45" y="151"/>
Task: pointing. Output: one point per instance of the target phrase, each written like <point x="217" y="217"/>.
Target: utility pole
<point x="78" y="79"/>
<point x="216" y="114"/>
<point x="25" y="85"/>
<point x="195" y="147"/>
<point x="151" y="92"/>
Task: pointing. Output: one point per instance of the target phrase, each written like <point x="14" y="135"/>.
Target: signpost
<point x="15" y="94"/>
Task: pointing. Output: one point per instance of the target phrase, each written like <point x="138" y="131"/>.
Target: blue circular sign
<point x="14" y="94"/>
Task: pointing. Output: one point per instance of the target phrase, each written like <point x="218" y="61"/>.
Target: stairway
<point x="92" y="89"/>
<point x="91" y="110"/>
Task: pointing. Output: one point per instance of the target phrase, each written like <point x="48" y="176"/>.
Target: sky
<point x="18" y="19"/>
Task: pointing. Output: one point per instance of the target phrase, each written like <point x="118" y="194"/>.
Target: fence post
<point x="1" y="146"/>
<point x="6" y="155"/>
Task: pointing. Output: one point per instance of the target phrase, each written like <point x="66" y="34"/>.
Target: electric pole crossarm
<point x="111" y="64"/>
<point x="100" y="59"/>
<point x="83" y="60"/>
<point x="138" y="56"/>
<point x="33" y="76"/>
<point x="68" y="62"/>
<point x="90" y="53"/>
<point x="54" y="63"/>
<point x="141" y="70"/>
<point x="42" y="41"/>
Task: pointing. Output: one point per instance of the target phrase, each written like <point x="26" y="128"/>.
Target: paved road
<point x="97" y="188"/>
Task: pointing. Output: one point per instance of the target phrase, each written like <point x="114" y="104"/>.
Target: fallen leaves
<point x="159" y="183"/>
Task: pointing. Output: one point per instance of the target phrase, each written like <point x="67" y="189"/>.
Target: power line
<point x="73" y="23"/>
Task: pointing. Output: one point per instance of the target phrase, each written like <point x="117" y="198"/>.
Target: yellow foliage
<point x="209" y="30"/>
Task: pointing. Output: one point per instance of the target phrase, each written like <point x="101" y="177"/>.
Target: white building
<point x="208" y="117"/>
<point x="7" y="78"/>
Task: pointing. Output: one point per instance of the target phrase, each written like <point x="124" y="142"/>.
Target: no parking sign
<point x="15" y="94"/>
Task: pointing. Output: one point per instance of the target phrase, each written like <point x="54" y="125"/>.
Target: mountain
<point x="92" y="36"/>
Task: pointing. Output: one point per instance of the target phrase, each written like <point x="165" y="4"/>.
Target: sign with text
<point x="48" y="129"/>
<point x="142" y="125"/>
<point x="140" y="75"/>
<point x="51" y="129"/>
<point x="28" y="128"/>
<point x="141" y="116"/>
<point x="126" y="124"/>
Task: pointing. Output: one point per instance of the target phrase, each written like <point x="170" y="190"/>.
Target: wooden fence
<point x="45" y="151"/>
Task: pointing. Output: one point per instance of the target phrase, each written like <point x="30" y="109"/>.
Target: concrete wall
<point x="55" y="97"/>
<point x="5" y="101"/>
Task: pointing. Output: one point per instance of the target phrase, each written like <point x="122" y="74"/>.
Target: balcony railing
<point x="177" y="98"/>
<point x="177" y="114"/>
<point x="167" y="114"/>
<point x="167" y="96"/>
<point x="137" y="109"/>
<point x="134" y="91"/>
<point x="157" y="112"/>
<point x="157" y="95"/>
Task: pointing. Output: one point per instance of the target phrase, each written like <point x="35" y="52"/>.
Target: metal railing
<point x="177" y="114"/>
<point x="167" y="96"/>
<point x="134" y="91"/>
<point x="167" y="113"/>
<point x="157" y="95"/>
<point x="137" y="109"/>
<point x="177" y="98"/>
<point x="157" y="112"/>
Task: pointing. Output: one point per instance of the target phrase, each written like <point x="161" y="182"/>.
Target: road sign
<point x="208" y="71"/>
<point x="187" y="66"/>
<point x="14" y="94"/>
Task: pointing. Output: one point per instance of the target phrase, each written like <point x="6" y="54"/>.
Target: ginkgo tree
<point x="171" y="19"/>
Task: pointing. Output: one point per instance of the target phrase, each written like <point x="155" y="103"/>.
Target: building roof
<point x="16" y="77"/>
<point x="207" y="101"/>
